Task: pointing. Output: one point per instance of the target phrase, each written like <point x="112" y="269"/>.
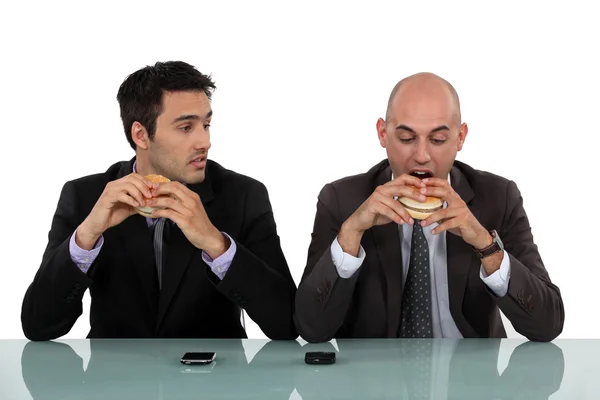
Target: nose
<point x="422" y="155"/>
<point x="202" y="140"/>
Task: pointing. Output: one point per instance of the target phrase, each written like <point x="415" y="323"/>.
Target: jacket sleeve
<point x="323" y="297"/>
<point x="53" y="301"/>
<point x="259" y="279"/>
<point x="533" y="304"/>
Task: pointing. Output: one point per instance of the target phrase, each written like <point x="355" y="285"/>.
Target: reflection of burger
<point x="146" y="211"/>
<point x="421" y="210"/>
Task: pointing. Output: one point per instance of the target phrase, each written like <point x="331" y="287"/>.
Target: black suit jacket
<point x="368" y="304"/>
<point x="193" y="303"/>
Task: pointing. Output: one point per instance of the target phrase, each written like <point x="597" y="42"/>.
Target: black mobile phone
<point x="319" y="357"/>
<point x="198" y="357"/>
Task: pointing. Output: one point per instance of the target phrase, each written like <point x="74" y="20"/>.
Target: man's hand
<point x="117" y="202"/>
<point x="185" y="209"/>
<point x="456" y="218"/>
<point x="379" y="209"/>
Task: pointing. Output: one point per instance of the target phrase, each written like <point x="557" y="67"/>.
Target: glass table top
<point x="262" y="369"/>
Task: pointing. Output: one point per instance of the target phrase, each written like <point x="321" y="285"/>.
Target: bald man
<point x="374" y="272"/>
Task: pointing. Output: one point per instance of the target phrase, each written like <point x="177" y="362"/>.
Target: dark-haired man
<point x="210" y="249"/>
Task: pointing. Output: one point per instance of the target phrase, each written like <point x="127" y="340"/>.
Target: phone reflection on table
<point x="199" y="369"/>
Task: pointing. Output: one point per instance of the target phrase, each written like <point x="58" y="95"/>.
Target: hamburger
<point x="421" y="210"/>
<point x="146" y="210"/>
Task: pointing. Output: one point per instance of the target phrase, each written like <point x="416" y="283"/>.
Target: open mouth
<point x="421" y="174"/>
<point x="199" y="162"/>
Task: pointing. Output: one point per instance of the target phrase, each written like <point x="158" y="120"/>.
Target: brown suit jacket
<point x="367" y="305"/>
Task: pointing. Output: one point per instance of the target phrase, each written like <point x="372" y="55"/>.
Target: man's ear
<point x="381" y="132"/>
<point x="462" y="135"/>
<point x="139" y="134"/>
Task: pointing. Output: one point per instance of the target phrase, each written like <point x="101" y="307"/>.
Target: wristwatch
<point x="493" y="248"/>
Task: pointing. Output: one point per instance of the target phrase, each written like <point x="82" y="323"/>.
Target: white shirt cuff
<point x="346" y="264"/>
<point x="498" y="281"/>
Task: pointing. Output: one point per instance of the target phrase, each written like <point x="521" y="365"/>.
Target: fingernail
<point x="421" y="197"/>
<point x="411" y="221"/>
<point x="425" y="180"/>
<point x="150" y="202"/>
<point x="423" y="190"/>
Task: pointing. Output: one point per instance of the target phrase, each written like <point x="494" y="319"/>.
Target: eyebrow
<point x="434" y="130"/>
<point x="193" y="117"/>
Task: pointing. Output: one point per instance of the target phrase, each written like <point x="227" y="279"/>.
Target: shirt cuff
<point x="346" y="264"/>
<point x="84" y="258"/>
<point x="498" y="281"/>
<point x="221" y="264"/>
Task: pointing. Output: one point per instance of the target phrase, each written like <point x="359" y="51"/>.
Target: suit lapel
<point x="135" y="236"/>
<point x="460" y="257"/>
<point x="387" y="242"/>
<point x="179" y="252"/>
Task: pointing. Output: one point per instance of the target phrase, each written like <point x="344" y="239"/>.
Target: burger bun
<point x="421" y="210"/>
<point x="146" y="210"/>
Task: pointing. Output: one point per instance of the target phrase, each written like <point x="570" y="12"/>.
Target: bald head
<point x="423" y="86"/>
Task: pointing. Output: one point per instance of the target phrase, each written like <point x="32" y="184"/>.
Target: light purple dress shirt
<point x="84" y="258"/>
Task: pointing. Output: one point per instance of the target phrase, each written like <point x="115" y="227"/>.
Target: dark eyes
<point x="188" y="128"/>
<point x="434" y="141"/>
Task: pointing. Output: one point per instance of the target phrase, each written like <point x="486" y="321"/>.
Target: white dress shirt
<point x="442" y="322"/>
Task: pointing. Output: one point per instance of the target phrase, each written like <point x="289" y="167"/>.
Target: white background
<point x="299" y="89"/>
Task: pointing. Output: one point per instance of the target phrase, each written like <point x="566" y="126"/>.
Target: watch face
<point x="497" y="240"/>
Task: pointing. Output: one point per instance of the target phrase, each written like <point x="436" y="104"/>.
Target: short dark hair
<point x="140" y="95"/>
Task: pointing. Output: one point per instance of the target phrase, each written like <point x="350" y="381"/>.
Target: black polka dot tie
<point x="416" y="298"/>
